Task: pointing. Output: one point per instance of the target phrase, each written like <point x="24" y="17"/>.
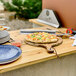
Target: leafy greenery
<point x="24" y="8"/>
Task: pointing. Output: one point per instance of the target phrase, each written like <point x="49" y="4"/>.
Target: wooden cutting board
<point x="48" y="46"/>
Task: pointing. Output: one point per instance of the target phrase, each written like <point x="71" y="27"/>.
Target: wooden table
<point x="35" y="21"/>
<point x="66" y="42"/>
<point x="32" y="55"/>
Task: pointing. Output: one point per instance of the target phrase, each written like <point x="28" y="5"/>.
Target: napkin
<point x="73" y="37"/>
<point x="74" y="43"/>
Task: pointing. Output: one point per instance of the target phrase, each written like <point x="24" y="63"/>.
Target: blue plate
<point x="9" y="53"/>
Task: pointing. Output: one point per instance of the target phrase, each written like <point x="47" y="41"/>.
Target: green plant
<point x="24" y="8"/>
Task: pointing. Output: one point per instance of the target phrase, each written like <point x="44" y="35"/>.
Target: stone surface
<point x="16" y="24"/>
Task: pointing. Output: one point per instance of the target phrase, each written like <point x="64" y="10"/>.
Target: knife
<point x="24" y="31"/>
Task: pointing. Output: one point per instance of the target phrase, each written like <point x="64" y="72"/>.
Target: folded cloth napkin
<point x="73" y="37"/>
<point x="74" y="43"/>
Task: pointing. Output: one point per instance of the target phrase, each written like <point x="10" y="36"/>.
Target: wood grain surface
<point x="32" y="55"/>
<point x="64" y="49"/>
<point x="47" y="46"/>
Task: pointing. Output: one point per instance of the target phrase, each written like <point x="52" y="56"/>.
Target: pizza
<point x="2" y="28"/>
<point x="41" y="37"/>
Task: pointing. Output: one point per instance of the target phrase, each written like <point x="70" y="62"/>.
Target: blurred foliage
<point x="24" y="8"/>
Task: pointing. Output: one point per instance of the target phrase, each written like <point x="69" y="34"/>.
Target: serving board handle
<point x="58" y="42"/>
<point x="48" y="46"/>
<point x="50" y="49"/>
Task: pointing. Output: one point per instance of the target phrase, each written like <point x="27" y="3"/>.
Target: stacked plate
<point x="9" y="53"/>
<point x="4" y="36"/>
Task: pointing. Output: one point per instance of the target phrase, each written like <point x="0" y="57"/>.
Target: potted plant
<point x="24" y="8"/>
